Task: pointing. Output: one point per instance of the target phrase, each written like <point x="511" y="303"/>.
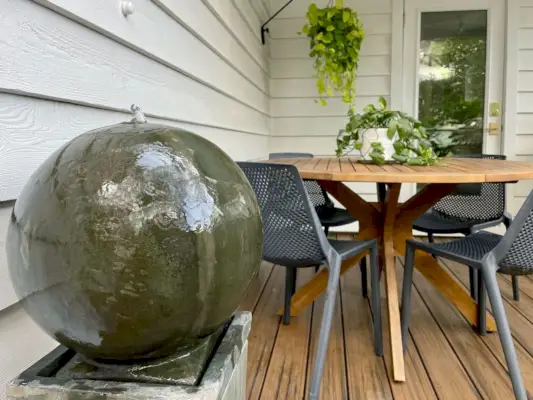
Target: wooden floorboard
<point x="445" y="358"/>
<point x="334" y="385"/>
<point x="287" y="371"/>
<point x="419" y="385"/>
<point x="367" y="376"/>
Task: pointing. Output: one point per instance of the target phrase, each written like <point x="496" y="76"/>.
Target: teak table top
<point x="448" y="170"/>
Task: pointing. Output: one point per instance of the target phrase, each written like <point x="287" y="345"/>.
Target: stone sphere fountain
<point x="133" y="245"/>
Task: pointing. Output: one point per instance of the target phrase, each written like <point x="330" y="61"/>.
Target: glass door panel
<point x="451" y="79"/>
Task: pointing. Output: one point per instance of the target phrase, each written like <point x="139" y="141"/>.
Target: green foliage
<point x="411" y="144"/>
<point x="335" y="34"/>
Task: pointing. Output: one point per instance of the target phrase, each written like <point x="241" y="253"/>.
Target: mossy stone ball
<point x="134" y="241"/>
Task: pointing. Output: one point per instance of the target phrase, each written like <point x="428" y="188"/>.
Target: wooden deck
<point x="446" y="359"/>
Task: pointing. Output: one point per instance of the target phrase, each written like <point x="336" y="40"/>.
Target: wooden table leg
<point x="391" y="284"/>
<point x="391" y="224"/>
<point x="427" y="265"/>
<point x="443" y="281"/>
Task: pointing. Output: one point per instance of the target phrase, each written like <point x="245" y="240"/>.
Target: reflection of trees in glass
<point x="451" y="106"/>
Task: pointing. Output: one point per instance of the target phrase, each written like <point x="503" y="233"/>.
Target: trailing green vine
<point x="335" y="34"/>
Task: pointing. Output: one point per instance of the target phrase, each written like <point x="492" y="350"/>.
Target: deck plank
<point x="367" y="377"/>
<point x="445" y="358"/>
<point x="334" y="385"/>
<point x="521" y="330"/>
<point x="487" y="374"/>
<point x="256" y="287"/>
<point x="265" y="324"/>
<point x="417" y="386"/>
<point x="286" y="375"/>
<point x="447" y="375"/>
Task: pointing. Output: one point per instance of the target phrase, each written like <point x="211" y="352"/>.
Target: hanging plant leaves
<point x="335" y="34"/>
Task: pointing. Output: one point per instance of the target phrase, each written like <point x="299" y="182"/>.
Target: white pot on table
<point x="377" y="135"/>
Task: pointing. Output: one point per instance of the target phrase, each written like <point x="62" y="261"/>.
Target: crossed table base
<point x="391" y="223"/>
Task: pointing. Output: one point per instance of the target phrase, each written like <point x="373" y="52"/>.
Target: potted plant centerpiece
<point x="382" y="135"/>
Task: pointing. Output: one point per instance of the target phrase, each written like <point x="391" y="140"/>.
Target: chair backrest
<point x="318" y="196"/>
<point x="514" y="253"/>
<point x="292" y="233"/>
<point x="475" y="201"/>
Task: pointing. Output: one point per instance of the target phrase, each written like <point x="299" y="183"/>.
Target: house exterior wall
<point x="522" y="139"/>
<point x="69" y="66"/>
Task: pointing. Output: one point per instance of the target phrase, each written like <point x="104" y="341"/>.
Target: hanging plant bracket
<point x="263" y="27"/>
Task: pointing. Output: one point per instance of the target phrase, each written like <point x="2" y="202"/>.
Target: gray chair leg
<point x="489" y="274"/>
<point x="294" y="278"/>
<point x="364" y="278"/>
<point x="326" y="230"/>
<point x="376" y="300"/>
<point x="430" y="237"/>
<point x="473" y="277"/>
<point x="516" y="290"/>
<point x="481" y="304"/>
<point x="325" y="326"/>
<point x="406" y="293"/>
<point x="290" y="281"/>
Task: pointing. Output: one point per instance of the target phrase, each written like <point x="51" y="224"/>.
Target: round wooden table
<point x="391" y="223"/>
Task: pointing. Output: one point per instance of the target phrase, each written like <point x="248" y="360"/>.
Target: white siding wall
<point x="523" y="140"/>
<point x="69" y="66"/>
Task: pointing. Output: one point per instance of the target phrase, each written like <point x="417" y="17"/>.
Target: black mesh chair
<point x="469" y="208"/>
<point x="488" y="253"/>
<point x="328" y="214"/>
<point x="293" y="238"/>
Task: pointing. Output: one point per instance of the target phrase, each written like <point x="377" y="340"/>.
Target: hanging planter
<point x="335" y="34"/>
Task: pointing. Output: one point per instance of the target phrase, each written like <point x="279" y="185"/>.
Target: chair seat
<point x="468" y="250"/>
<point x="335" y="217"/>
<point x="434" y="222"/>
<point x="349" y="248"/>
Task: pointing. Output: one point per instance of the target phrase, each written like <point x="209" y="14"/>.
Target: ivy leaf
<point x="369" y="108"/>
<point x="382" y="102"/>
<point x="328" y="38"/>
<point x="398" y="147"/>
<point x="339" y="4"/>
<point x="416" y="161"/>
<point x="400" y="158"/>
<point x="358" y="146"/>
<point x="330" y="28"/>
<point x="345" y="16"/>
<point x="377" y="157"/>
<point x="392" y="129"/>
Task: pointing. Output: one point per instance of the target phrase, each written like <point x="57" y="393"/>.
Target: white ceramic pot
<point x="377" y="135"/>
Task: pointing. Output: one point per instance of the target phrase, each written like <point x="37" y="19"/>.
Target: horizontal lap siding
<point x="524" y="123"/>
<point x="70" y="66"/>
<point x="298" y="122"/>
<point x="22" y="343"/>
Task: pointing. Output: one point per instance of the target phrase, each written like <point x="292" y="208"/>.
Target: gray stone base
<point x="224" y="378"/>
